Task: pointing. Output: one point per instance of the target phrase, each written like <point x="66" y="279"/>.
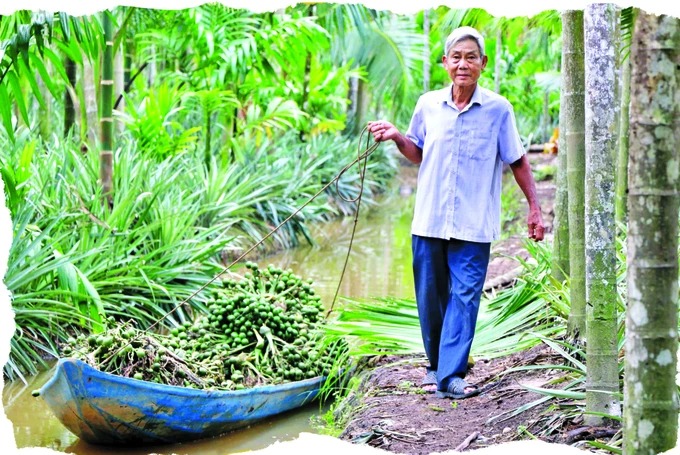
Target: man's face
<point x="464" y="63"/>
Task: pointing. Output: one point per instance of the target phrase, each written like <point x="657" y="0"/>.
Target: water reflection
<point x="379" y="266"/>
<point x="380" y="260"/>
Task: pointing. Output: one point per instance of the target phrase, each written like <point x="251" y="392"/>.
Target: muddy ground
<point x="390" y="411"/>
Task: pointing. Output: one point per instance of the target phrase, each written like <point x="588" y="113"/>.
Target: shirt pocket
<point x="482" y="145"/>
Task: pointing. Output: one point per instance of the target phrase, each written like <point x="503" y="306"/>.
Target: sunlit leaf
<point x="27" y="74"/>
<point x="15" y="84"/>
<point x="6" y="111"/>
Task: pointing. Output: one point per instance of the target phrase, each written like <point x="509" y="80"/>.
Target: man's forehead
<point x="465" y="46"/>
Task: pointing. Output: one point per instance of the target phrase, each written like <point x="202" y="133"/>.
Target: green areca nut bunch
<point x="272" y="298"/>
<point x="265" y="328"/>
<point x="124" y="350"/>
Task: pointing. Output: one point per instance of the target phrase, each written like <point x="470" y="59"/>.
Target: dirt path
<point x="390" y="411"/>
<point x="394" y="415"/>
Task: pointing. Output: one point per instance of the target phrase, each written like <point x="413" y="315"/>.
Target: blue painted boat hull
<point x="103" y="408"/>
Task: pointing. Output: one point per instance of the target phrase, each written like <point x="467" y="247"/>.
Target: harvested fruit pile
<point x="266" y="328"/>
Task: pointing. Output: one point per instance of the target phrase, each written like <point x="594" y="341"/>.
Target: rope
<point x="361" y="155"/>
<point x="362" y="174"/>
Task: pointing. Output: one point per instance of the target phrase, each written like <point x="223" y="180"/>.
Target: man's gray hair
<point x="462" y="34"/>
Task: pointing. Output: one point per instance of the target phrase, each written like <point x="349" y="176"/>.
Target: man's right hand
<point x="383" y="130"/>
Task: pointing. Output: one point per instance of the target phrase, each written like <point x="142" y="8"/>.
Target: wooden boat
<point x="103" y="408"/>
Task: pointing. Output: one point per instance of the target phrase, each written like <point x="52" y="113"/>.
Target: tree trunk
<point x="426" y="50"/>
<point x="304" y="102"/>
<point x="601" y="50"/>
<point x="497" y="59"/>
<point x="351" y="126"/>
<point x="119" y="82"/>
<point x="89" y="110"/>
<point x="127" y="65"/>
<point x="574" y="134"/>
<point x="650" y="391"/>
<point x="362" y="104"/>
<point x="151" y="69"/>
<point x="207" y="121"/>
<point x="545" y="118"/>
<point x="45" y="109"/>
<point x="69" y="93"/>
<point x="622" y="160"/>
<point x="560" y="257"/>
<point x="106" y="121"/>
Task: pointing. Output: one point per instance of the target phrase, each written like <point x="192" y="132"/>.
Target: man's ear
<point x="485" y="60"/>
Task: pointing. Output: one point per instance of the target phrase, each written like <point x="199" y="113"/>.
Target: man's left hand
<point x="536" y="227"/>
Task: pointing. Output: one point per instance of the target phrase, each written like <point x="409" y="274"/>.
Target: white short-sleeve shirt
<point x="459" y="180"/>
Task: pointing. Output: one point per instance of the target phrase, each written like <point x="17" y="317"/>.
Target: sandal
<point x="430" y="379"/>
<point x="456" y="390"/>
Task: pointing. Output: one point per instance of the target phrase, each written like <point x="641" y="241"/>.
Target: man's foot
<point x="458" y="389"/>
<point x="429" y="383"/>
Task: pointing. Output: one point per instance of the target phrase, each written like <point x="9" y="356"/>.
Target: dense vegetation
<point x="142" y="151"/>
<point x="226" y="122"/>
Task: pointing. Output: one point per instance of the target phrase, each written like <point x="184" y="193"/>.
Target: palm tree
<point x="602" y="385"/>
<point x="387" y="49"/>
<point x="650" y="391"/>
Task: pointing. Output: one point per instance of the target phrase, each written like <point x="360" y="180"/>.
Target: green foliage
<point x="28" y="45"/>
<point x="15" y="172"/>
<point x="172" y="225"/>
<point x="48" y="289"/>
<point x="545" y="172"/>
<point x="387" y="326"/>
<point x="155" y="123"/>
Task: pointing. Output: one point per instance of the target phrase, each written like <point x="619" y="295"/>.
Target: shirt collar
<point x="477" y="96"/>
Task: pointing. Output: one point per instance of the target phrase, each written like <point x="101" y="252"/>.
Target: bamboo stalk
<point x="106" y="120"/>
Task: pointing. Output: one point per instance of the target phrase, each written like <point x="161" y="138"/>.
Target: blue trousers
<point x="449" y="280"/>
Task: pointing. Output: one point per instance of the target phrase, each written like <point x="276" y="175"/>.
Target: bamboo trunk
<point x="304" y="101"/>
<point x="352" y="92"/>
<point x="362" y="104"/>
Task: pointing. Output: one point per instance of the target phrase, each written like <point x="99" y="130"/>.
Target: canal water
<point x="379" y="266"/>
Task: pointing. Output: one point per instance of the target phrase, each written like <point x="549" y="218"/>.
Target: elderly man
<point x="460" y="135"/>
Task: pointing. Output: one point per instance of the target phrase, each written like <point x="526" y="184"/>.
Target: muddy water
<point x="379" y="266"/>
<point x="379" y="262"/>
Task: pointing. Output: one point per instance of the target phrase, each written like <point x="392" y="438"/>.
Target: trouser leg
<point x="431" y="278"/>
<point x="467" y="266"/>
